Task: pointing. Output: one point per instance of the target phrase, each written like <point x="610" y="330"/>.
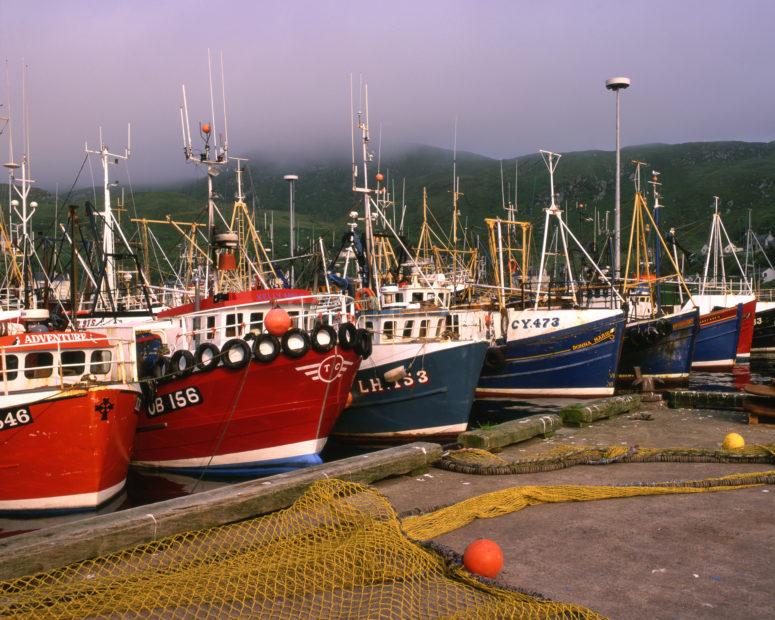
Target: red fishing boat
<point x="243" y="393"/>
<point x="68" y="412"/>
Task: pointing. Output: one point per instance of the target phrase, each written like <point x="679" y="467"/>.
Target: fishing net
<point x="337" y="552"/>
<point x="340" y="551"/>
<point x="482" y="462"/>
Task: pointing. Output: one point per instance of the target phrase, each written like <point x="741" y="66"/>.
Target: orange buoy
<point x="277" y="321"/>
<point x="380" y="177"/>
<point x="483" y="557"/>
<point x="205" y="128"/>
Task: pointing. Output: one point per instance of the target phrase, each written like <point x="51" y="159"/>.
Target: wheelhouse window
<point x="370" y="325"/>
<point x="256" y="321"/>
<point x="10" y="371"/>
<point x="416" y="298"/>
<point x="408" y="327"/>
<point x="424" y="328"/>
<point x="211" y="327"/>
<point x="388" y="330"/>
<point x="233" y="321"/>
<point x="38" y="365"/>
<point x="73" y="363"/>
<point x="100" y="362"/>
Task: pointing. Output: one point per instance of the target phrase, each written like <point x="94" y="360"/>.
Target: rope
<point x="483" y="463"/>
<point x="507" y="501"/>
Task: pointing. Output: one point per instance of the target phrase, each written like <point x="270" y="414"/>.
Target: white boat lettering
<point x="10" y="418"/>
<point x="376" y="384"/>
<point x="52" y="338"/>
<point x="174" y="401"/>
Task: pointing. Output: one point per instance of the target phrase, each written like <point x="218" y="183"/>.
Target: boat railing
<point x="310" y="309"/>
<point x="121" y="367"/>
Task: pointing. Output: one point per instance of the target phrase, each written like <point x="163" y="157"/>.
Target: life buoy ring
<point x="362" y="344"/>
<point x="295" y="343"/>
<point x="182" y="363"/>
<point x="346" y="335"/>
<point x="323" y="338"/>
<point x="266" y="348"/>
<point x="235" y="354"/>
<point x="206" y="356"/>
<point x="361" y="297"/>
<point x="161" y="368"/>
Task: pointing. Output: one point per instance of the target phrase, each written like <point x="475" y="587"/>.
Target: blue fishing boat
<point x="662" y="347"/>
<point x="574" y="353"/>
<point x="659" y="339"/>
<point x="417" y="384"/>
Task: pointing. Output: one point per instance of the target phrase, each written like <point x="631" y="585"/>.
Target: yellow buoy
<point x="733" y="441"/>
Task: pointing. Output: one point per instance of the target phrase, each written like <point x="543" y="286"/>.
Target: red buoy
<point x="277" y="321"/>
<point x="483" y="557"/>
<point x="227" y="262"/>
<point x="205" y="128"/>
<point x="380" y="177"/>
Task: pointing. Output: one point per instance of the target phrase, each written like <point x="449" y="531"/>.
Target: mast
<point x="108" y="239"/>
<point x="655" y="184"/>
<point x="214" y="156"/>
<point x="550" y="159"/>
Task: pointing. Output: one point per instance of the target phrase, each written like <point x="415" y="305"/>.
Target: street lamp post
<point x="616" y="84"/>
<point x="292" y="178"/>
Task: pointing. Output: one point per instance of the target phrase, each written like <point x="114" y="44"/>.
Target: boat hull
<point x="745" y="341"/>
<point x="578" y="361"/>
<point x="73" y="453"/>
<point x="666" y="358"/>
<point x="432" y="401"/>
<point x="259" y="420"/>
<point x="716" y="345"/>
<point x="763" y="340"/>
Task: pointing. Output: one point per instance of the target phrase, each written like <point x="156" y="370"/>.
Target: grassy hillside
<point x="742" y="174"/>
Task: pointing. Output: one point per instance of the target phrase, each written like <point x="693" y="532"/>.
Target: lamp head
<point x="617" y="83"/>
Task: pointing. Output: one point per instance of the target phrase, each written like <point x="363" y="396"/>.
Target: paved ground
<point x="707" y="555"/>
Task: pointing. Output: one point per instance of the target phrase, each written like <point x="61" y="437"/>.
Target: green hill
<point x="741" y="173"/>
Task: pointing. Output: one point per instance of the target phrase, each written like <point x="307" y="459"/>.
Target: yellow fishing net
<point x="339" y="551"/>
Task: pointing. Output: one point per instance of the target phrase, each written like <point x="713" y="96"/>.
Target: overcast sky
<point x="519" y="75"/>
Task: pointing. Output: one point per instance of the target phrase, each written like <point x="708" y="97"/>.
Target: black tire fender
<point x="323" y="338"/>
<point x="161" y="368"/>
<point x="295" y="343"/>
<point x="266" y="348"/>
<point x="243" y="350"/>
<point x="362" y="344"/>
<point x="205" y="362"/>
<point x="185" y="368"/>
<point x="347" y="335"/>
<point x="495" y="359"/>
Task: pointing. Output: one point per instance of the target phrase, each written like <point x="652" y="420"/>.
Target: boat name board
<point x="174" y="401"/>
<point x="602" y="337"/>
<point x="368" y="386"/>
<point x="11" y="418"/>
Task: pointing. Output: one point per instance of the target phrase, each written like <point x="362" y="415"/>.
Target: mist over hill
<point x="742" y="174"/>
